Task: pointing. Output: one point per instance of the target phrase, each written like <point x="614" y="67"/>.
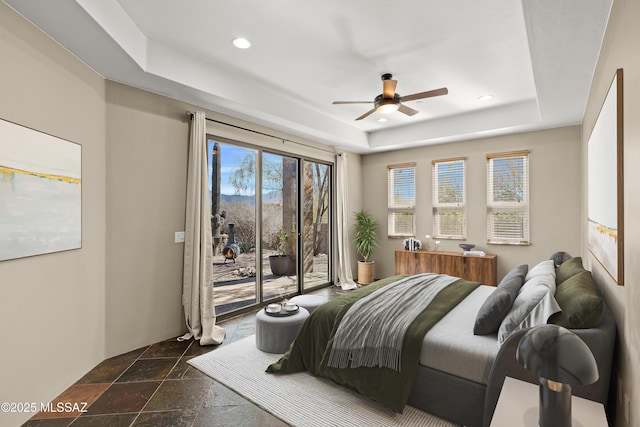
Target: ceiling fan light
<point x="388" y="107"/>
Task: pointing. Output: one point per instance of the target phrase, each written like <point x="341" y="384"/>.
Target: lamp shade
<point x="557" y="354"/>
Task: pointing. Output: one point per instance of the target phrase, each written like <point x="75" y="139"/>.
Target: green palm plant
<point x="365" y="238"/>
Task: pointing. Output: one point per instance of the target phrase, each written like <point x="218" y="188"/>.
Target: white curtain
<point x="197" y="285"/>
<point x="345" y="276"/>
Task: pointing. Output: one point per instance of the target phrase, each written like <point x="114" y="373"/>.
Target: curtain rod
<point x="190" y="114"/>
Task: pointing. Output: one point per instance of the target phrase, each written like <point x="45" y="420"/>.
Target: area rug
<point x="300" y="399"/>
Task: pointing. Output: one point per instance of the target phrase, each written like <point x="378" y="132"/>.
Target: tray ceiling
<point x="536" y="59"/>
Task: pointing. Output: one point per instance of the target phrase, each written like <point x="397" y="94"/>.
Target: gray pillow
<point x="497" y="305"/>
<point x="560" y="257"/>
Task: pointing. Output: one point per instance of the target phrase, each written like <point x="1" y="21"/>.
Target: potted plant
<point x="365" y="241"/>
<point x="281" y="263"/>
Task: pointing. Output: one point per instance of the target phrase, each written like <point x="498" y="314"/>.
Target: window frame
<point x="397" y="208"/>
<point x="518" y="207"/>
<point x="448" y="207"/>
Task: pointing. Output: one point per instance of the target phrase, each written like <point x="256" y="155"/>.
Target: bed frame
<point x="472" y="404"/>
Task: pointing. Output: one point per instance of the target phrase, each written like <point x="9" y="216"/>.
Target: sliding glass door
<point x="279" y="225"/>
<point x="233" y="225"/>
<point x="316" y="220"/>
<point x="271" y="224"/>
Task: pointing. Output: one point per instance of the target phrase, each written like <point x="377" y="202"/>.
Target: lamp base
<point x="555" y="404"/>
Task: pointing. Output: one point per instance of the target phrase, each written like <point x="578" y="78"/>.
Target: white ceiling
<point x="536" y="57"/>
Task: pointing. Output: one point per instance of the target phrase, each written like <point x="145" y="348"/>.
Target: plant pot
<point x="282" y="265"/>
<point x="365" y="272"/>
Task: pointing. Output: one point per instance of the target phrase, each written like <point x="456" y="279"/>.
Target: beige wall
<point x="355" y="196"/>
<point x="52" y="306"/>
<point x="146" y="157"/>
<point x="620" y="50"/>
<point x="554" y="182"/>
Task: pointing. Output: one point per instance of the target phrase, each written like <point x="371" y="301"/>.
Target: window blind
<point x="508" y="198"/>
<point x="449" y="198"/>
<point x="401" y="190"/>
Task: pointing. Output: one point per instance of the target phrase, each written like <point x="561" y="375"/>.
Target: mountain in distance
<point x="237" y="198"/>
<point x="271" y="197"/>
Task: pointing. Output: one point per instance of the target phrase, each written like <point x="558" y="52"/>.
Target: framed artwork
<point x="40" y="193"/>
<point x="605" y="184"/>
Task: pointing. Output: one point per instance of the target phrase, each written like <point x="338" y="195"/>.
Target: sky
<point x="231" y="156"/>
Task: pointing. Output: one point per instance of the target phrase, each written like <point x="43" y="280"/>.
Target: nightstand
<point x="518" y="406"/>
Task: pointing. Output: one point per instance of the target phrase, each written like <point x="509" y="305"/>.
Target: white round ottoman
<point x="274" y="334"/>
<point x="310" y="302"/>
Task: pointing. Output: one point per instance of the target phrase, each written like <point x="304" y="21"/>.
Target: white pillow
<point x="542" y="279"/>
<point x="543" y="267"/>
<point x="533" y="306"/>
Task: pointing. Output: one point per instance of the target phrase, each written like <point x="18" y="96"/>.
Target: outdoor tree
<point x="508" y="185"/>
<point x="274" y="180"/>
<point x="277" y="202"/>
<point x="321" y="193"/>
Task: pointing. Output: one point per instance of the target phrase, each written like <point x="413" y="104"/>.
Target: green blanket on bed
<point x="312" y="346"/>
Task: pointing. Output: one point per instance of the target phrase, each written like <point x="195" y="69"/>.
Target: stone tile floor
<point x="154" y="386"/>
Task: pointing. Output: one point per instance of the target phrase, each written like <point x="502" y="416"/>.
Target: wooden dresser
<point x="481" y="269"/>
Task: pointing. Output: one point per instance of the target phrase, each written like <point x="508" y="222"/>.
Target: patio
<point x="235" y="283"/>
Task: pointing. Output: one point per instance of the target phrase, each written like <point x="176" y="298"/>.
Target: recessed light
<point x="382" y="120"/>
<point x="241" y="43"/>
<point x="485" y="97"/>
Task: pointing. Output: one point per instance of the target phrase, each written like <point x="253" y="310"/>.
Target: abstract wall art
<point x="40" y="193"/>
<point x="605" y="184"/>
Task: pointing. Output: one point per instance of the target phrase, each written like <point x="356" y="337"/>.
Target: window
<point x="401" y="200"/>
<point x="449" y="199"/>
<point x="508" y="198"/>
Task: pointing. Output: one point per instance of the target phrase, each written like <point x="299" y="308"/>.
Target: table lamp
<point x="560" y="359"/>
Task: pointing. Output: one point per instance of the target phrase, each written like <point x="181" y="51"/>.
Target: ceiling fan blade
<point x="407" y="110"/>
<point x="389" y="88"/>
<point x="427" y="94"/>
<point x="367" y="114"/>
<point x="352" y="102"/>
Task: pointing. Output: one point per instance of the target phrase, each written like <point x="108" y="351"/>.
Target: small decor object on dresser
<point x="467" y="246"/>
<point x="412" y="244"/>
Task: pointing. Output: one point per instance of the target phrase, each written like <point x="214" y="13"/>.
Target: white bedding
<point x="450" y="345"/>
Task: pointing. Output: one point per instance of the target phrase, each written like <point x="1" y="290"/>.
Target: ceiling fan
<point x="389" y="101"/>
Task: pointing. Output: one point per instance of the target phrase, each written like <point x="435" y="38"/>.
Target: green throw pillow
<point x="581" y="305"/>
<point x="568" y="269"/>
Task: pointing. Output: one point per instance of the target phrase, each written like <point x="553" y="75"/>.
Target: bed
<point x="457" y="352"/>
